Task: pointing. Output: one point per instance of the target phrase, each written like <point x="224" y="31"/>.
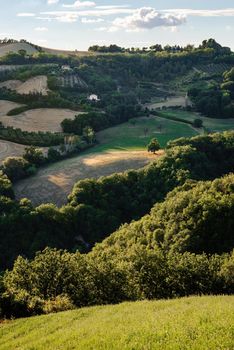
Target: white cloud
<point x="91" y="20"/>
<point x="108" y="7"/>
<point x="49" y="19"/>
<point x="81" y="4"/>
<point x="87" y="13"/>
<point x="148" y="18"/>
<point x="229" y="12"/>
<point x="41" y="29"/>
<point x="67" y="18"/>
<point x="52" y="2"/>
<point x="25" y="14"/>
<point x="135" y="19"/>
<point x="111" y="29"/>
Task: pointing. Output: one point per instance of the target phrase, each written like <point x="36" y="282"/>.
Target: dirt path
<point x="54" y="183"/>
<point x="170" y="102"/>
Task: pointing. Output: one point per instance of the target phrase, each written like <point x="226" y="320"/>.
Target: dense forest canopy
<point x="215" y="100"/>
<point x="98" y="207"/>
<point x="147" y="259"/>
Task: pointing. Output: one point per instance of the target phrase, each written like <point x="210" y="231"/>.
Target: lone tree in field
<point x="197" y="123"/>
<point x="153" y="146"/>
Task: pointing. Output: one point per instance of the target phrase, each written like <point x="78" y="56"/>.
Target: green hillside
<point x="190" y="323"/>
<point x="132" y="135"/>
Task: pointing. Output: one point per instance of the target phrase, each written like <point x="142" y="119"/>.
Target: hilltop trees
<point x="215" y="101"/>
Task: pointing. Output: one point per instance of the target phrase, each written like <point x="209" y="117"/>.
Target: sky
<point x="72" y="24"/>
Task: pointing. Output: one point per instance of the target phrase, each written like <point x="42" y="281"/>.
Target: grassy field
<point x="53" y="183"/>
<point x="121" y="148"/>
<point x="196" y="323"/>
<point x="129" y="136"/>
<point x="209" y="123"/>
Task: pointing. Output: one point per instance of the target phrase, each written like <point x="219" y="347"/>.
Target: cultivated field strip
<point x="35" y="85"/>
<point x="11" y="149"/>
<point x="54" y="183"/>
<point x="6" y="106"/>
<point x="41" y="119"/>
<point x="71" y="81"/>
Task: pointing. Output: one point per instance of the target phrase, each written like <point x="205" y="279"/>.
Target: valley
<point x="116" y="189"/>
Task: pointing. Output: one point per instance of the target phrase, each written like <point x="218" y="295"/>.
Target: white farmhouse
<point x="66" y="68"/>
<point x="93" y="98"/>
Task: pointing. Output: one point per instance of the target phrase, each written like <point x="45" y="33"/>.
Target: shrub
<point x="59" y="303"/>
<point x="15" y="167"/>
<point x="153" y="146"/>
<point x="34" y="155"/>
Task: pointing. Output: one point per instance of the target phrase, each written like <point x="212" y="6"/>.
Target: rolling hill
<point x="15" y="47"/>
<point x="30" y="49"/>
<point x="196" y="323"/>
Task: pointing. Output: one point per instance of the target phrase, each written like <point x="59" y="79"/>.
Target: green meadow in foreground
<point x="189" y="323"/>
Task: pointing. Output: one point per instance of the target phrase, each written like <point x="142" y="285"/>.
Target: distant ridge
<point x="15" y="47"/>
<point x="31" y="49"/>
<point x="66" y="52"/>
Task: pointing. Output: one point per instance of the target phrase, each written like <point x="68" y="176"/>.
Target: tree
<point x="5" y="186"/>
<point x="34" y="155"/>
<point x="15" y="167"/>
<point x="53" y="154"/>
<point x="89" y="135"/>
<point x="153" y="146"/>
<point x="197" y="123"/>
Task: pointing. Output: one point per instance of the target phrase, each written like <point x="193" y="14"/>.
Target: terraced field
<point x="72" y="80"/>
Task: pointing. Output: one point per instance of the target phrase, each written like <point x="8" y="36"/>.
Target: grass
<point x="130" y="136"/>
<point x="195" y="323"/>
<point x="212" y="124"/>
<point x="53" y="183"/>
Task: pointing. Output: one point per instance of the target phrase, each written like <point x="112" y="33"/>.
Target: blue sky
<point x="72" y="24"/>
